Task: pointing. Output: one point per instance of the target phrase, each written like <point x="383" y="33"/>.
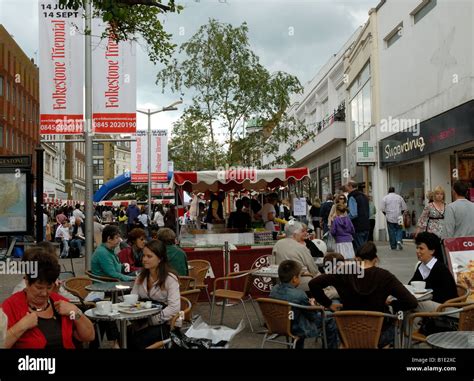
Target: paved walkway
<point x="400" y="263"/>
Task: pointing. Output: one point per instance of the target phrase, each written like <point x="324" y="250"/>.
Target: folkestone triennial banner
<point x="159" y="156"/>
<point x="114" y="83"/>
<point x="61" y="69"/>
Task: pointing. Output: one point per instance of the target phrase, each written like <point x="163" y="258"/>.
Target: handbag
<point x="438" y="324"/>
<point x="330" y="242"/>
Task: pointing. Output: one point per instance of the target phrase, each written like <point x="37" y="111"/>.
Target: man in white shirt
<point x="77" y="213"/>
<point x="268" y="212"/>
<point x="459" y="215"/>
<point x="393" y="206"/>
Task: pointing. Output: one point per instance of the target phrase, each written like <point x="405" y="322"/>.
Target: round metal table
<point x="123" y="318"/>
<point x="452" y="340"/>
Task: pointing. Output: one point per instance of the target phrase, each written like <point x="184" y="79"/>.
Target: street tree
<point x="230" y="85"/>
<point x="190" y="148"/>
<point x="129" y="19"/>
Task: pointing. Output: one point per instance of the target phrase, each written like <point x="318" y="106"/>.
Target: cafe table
<point x="123" y="318"/>
<point x="452" y="340"/>
<point x="112" y="287"/>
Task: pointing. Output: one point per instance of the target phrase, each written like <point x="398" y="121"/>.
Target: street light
<point x="149" y="113"/>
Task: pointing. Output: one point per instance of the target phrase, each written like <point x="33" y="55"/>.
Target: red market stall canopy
<point x="238" y="179"/>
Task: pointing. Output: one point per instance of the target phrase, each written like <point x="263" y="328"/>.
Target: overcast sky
<point x="295" y="36"/>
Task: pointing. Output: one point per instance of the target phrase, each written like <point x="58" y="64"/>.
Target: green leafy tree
<point x="230" y="85"/>
<point x="190" y="148"/>
<point x="130" y="19"/>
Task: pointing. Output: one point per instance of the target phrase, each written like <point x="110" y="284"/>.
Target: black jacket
<point x="440" y="280"/>
<point x="361" y="222"/>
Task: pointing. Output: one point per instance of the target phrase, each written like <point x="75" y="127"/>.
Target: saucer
<point x="106" y="313"/>
<point x="420" y="291"/>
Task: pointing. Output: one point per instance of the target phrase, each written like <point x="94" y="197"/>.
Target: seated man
<point x="78" y="240"/>
<point x="305" y="323"/>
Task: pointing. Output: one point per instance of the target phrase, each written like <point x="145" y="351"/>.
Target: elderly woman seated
<point x="38" y="317"/>
<point x="293" y="247"/>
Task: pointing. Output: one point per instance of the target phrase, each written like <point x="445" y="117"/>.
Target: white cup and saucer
<point x="103" y="308"/>
<point x="418" y="287"/>
<point x="130" y="300"/>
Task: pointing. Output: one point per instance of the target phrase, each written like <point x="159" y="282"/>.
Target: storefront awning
<point x="238" y="179"/>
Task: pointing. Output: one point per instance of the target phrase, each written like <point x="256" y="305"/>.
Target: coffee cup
<point x="147" y="304"/>
<point x="130" y="299"/>
<point x="115" y="308"/>
<point x="419" y="286"/>
<point x="104" y="307"/>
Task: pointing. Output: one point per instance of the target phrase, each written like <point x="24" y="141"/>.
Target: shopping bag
<point x="330" y="242"/>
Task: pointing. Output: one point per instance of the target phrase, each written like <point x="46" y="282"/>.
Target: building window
<point x="336" y="175"/>
<point x="361" y="104"/>
<point x="98" y="167"/>
<point x="324" y="186"/>
<point x="1" y="135"/>
<point x="422" y="10"/>
<point x="97" y="184"/>
<point x="98" y="149"/>
<point x="313" y="184"/>
<point x="394" y="35"/>
<point x="1" y="86"/>
<point x="13" y="141"/>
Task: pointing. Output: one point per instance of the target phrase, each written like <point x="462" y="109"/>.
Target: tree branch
<point x="150" y="3"/>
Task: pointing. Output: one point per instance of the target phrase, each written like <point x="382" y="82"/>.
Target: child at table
<point x="304" y="323"/>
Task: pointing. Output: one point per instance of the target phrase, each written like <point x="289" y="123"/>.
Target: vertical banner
<point x="61" y="63"/>
<point x="114" y="79"/>
<point x="159" y="157"/>
<point x="139" y="153"/>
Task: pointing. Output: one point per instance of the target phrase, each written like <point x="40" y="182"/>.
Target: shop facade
<point x="441" y="152"/>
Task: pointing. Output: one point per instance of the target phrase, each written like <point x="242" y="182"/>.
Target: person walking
<point x="459" y="215"/>
<point x="393" y="206"/>
<point x="358" y="213"/>
<point x="432" y="217"/>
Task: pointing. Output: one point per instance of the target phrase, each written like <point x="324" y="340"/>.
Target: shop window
<point x="1" y="86"/>
<point x="324" y="185"/>
<point x="422" y="10"/>
<point x="361" y="103"/>
<point x="313" y="184"/>
<point x="1" y="135"/>
<point x="336" y="176"/>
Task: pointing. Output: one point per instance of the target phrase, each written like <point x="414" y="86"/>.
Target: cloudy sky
<point x="295" y="36"/>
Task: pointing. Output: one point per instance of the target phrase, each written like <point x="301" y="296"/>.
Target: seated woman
<point x="132" y="255"/>
<point x="104" y="260"/>
<point x="158" y="283"/>
<point x="433" y="271"/>
<point x="176" y="256"/>
<point x="365" y="290"/>
<point x="40" y="318"/>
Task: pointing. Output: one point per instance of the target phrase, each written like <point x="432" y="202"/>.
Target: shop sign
<point x="447" y="130"/>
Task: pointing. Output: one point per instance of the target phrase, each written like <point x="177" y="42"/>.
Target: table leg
<point x="123" y="333"/>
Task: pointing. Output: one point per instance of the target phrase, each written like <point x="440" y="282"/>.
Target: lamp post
<point x="149" y="113"/>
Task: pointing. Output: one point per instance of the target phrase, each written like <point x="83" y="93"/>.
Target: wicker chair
<point x="463" y="293"/>
<point x="198" y="271"/>
<point x="77" y="287"/>
<point x="185" y="309"/>
<point x="192" y="296"/>
<point x="227" y="293"/>
<point x="466" y="319"/>
<point x="361" y="329"/>
<point x="99" y="278"/>
<point x="276" y="314"/>
<point x="186" y="283"/>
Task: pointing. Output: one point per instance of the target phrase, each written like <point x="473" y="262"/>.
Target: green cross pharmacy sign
<point x="365" y="153"/>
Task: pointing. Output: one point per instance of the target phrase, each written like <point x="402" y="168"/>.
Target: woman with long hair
<point x="432" y="217"/>
<point x="156" y="282"/>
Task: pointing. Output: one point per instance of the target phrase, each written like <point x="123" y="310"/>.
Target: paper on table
<point x="216" y="333"/>
<point x="93" y="296"/>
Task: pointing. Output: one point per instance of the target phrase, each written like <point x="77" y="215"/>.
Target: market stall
<point x="248" y="250"/>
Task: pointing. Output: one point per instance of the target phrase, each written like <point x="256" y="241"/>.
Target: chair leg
<point x="208" y="296"/>
<point x="294" y="343"/>
<point x="224" y="302"/>
<point x="256" y="312"/>
<point x="263" y="341"/>
<point x="212" y="309"/>
<point x="246" y="314"/>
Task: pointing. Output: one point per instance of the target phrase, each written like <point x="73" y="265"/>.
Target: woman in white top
<point x="156" y="282"/>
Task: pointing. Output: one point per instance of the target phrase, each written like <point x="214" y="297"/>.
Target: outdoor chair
<point x="227" y="293"/>
<point x="185" y="309"/>
<point x="198" y="271"/>
<point x="99" y="278"/>
<point x="192" y="296"/>
<point x="276" y="314"/>
<point x="77" y="287"/>
<point x="463" y="294"/>
<point x="186" y="283"/>
<point x="362" y="329"/>
<point x="466" y="320"/>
